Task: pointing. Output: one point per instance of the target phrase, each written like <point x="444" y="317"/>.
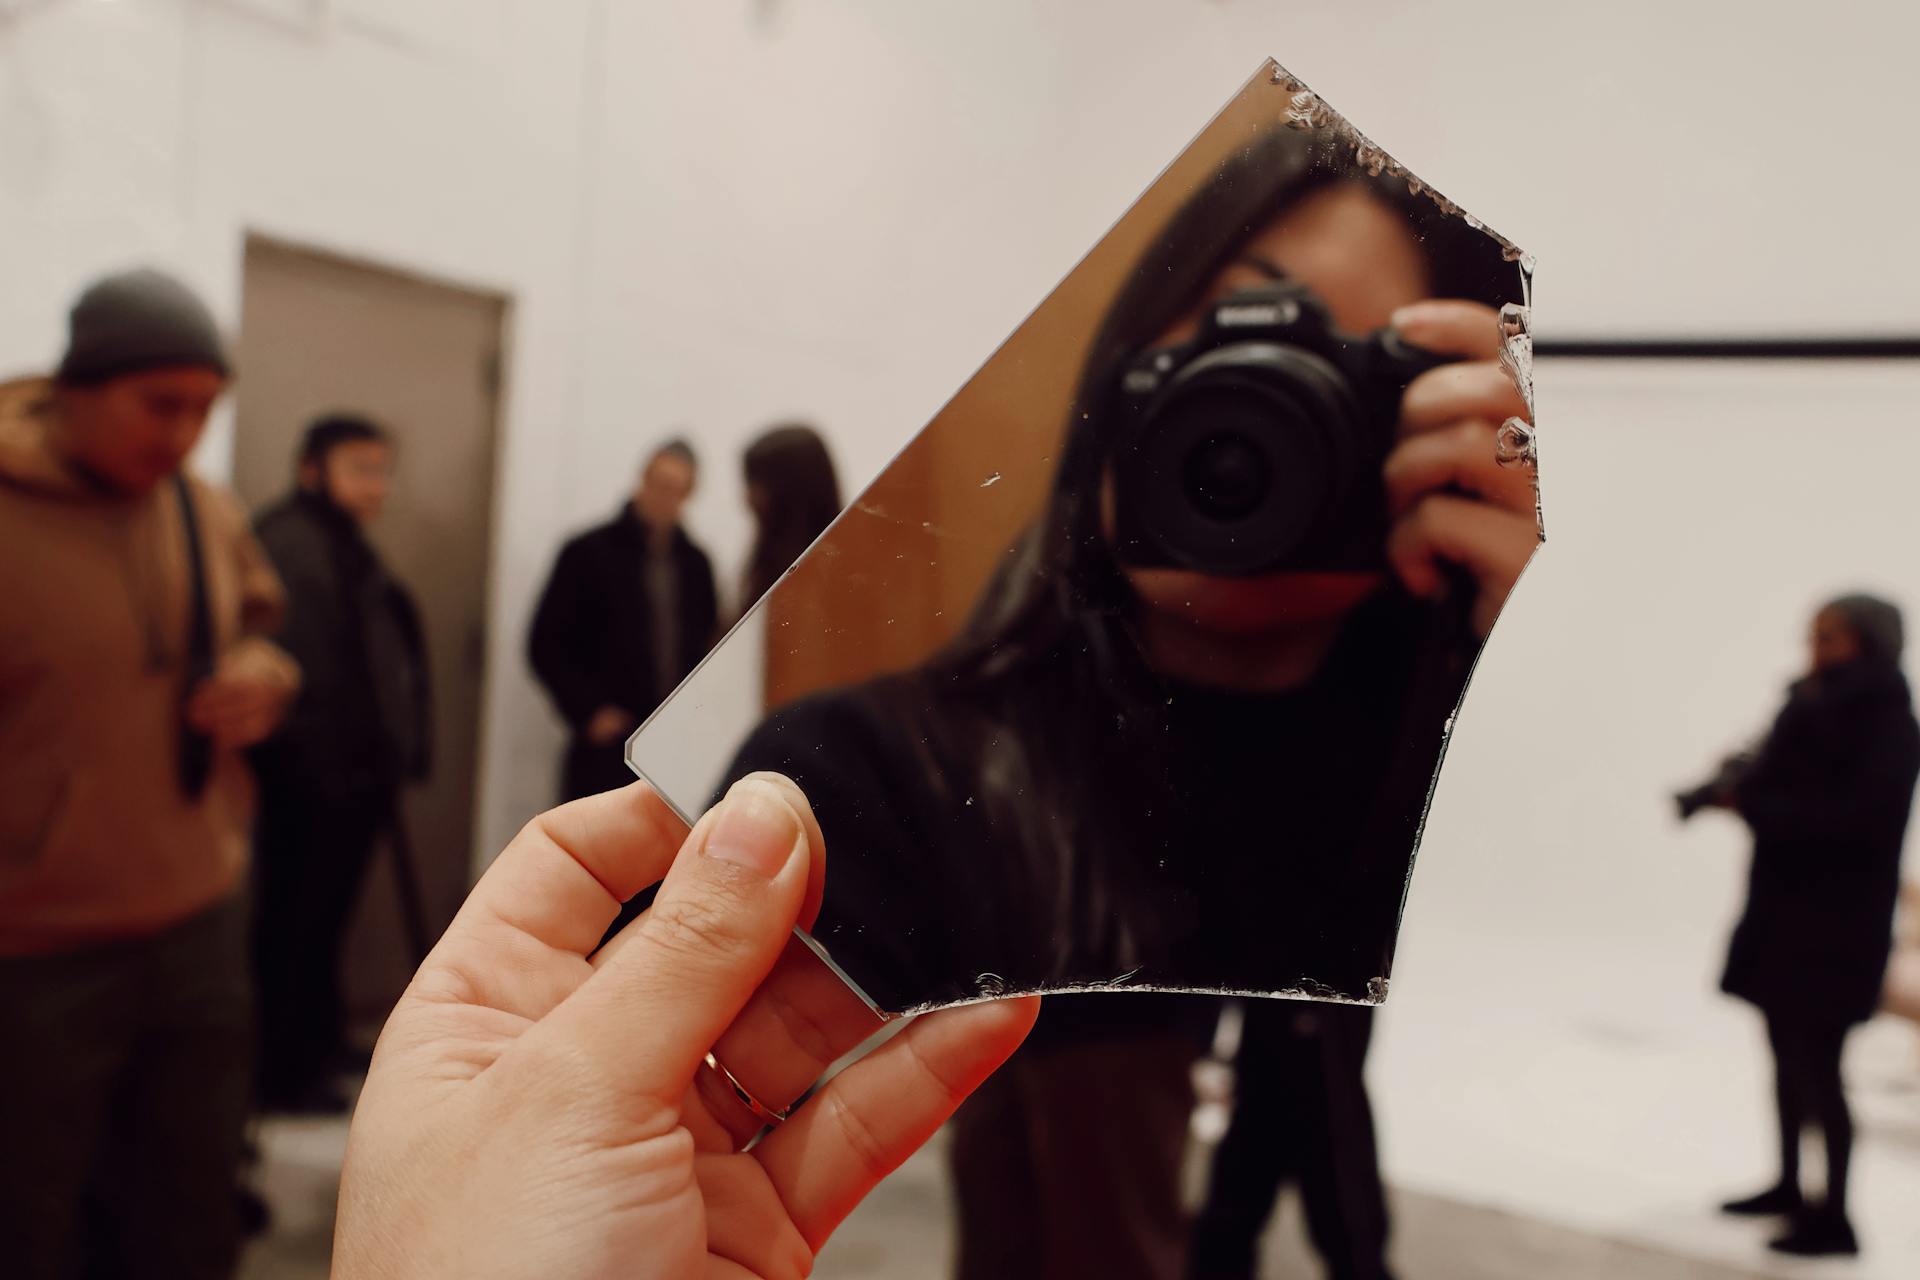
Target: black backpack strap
<point x="196" y="749"/>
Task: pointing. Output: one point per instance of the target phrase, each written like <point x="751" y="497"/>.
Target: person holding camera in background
<point x="135" y="669"/>
<point x="629" y="609"/>
<point x="1827" y="797"/>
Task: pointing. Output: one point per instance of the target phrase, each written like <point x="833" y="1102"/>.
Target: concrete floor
<point x="904" y="1230"/>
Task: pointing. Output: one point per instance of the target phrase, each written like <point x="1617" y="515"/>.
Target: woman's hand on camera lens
<point x="540" y="1108"/>
<point x="1450" y="499"/>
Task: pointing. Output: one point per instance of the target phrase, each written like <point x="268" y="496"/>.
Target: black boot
<point x="1819" y="1233"/>
<point x="1781" y="1200"/>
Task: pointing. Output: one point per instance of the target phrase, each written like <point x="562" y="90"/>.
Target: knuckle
<point x="694" y="926"/>
<point x="558" y="1072"/>
<point x="858" y="1136"/>
<point x="792" y="1255"/>
<point x="950" y="1092"/>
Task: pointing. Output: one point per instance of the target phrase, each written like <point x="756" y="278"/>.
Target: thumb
<point x="647" y="1017"/>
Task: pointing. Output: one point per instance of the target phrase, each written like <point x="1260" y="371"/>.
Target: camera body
<point x="1714" y="791"/>
<point x="1257" y="446"/>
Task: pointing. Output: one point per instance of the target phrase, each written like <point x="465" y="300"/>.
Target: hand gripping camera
<point x="1257" y="446"/>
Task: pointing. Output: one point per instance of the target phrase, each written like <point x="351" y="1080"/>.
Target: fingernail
<point x="1411" y="315"/>
<point x="756" y="830"/>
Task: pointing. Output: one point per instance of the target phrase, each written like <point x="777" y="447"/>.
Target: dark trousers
<point x="1300" y="1115"/>
<point x="1808" y="1091"/>
<point x="123" y="1102"/>
<point x="311" y="855"/>
<point x="1067" y="1164"/>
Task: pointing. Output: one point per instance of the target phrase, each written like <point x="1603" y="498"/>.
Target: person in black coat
<point x="331" y="777"/>
<point x="1827" y="798"/>
<point x="628" y="611"/>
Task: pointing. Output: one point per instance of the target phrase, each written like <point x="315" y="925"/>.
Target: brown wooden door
<point x="321" y="333"/>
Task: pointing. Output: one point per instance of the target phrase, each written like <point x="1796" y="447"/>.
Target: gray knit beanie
<point x="1876" y="622"/>
<point x="139" y="320"/>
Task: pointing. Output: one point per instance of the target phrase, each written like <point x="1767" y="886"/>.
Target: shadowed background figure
<point x="629" y="609"/>
<point x="330" y="779"/>
<point x="793" y="494"/>
<point x="1827" y="797"/>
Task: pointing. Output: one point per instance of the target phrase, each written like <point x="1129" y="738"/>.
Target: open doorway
<point x="322" y="333"/>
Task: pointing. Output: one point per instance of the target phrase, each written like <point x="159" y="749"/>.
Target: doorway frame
<point x="501" y="380"/>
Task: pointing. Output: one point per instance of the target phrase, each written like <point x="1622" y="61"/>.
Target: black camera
<point x="1258" y="445"/>
<point x="1715" y="790"/>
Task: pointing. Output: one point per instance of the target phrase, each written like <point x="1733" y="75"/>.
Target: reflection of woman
<point x="793" y="494"/>
<point x="1827" y="800"/>
<point x="1183" y="779"/>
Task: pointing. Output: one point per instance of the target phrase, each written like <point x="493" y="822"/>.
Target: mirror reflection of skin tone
<point x="1827" y="796"/>
<point x="1170" y="777"/>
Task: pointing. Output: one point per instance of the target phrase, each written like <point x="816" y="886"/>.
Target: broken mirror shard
<point x="1135" y="668"/>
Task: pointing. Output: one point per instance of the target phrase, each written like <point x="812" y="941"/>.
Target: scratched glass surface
<point x="1135" y="667"/>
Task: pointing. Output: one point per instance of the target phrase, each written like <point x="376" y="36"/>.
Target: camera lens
<point x="1241" y="460"/>
<point x="1227" y="477"/>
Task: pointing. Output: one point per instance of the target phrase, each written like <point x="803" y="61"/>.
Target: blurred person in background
<point x="794" y="495"/>
<point x="629" y="609"/>
<point x="134" y="671"/>
<point x="1827" y="797"/>
<point x="331" y="777"/>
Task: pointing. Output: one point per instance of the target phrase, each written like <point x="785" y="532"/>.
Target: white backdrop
<point x="1554" y="1042"/>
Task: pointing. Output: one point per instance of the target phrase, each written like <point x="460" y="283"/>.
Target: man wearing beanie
<point x="134" y="670"/>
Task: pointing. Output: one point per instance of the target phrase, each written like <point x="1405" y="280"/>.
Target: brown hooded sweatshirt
<point x="98" y="839"/>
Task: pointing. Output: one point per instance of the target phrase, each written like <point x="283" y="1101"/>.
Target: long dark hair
<point x="790" y="466"/>
<point x="1043" y="709"/>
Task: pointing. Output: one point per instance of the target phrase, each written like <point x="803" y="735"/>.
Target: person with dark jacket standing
<point x="629" y="610"/>
<point x="1827" y="798"/>
<point x="331" y="778"/>
<point x="135" y="668"/>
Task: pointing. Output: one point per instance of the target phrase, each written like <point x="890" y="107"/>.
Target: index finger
<point x="521" y="939"/>
<point x="1451" y="327"/>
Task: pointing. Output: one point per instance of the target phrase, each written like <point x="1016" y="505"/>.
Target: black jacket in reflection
<point x="1259" y="842"/>
<point x="1827" y="800"/>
